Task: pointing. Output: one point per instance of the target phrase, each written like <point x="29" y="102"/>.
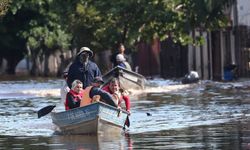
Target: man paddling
<point x="94" y="93"/>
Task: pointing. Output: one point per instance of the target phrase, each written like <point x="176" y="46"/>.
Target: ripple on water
<point x="199" y="116"/>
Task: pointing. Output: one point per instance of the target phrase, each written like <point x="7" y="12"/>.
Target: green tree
<point x="201" y="15"/>
<point x="12" y="47"/>
<point x="132" y="21"/>
<point x="40" y="27"/>
<point x="41" y="30"/>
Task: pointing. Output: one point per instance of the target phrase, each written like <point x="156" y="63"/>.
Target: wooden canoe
<point x="91" y="119"/>
<point x="128" y="79"/>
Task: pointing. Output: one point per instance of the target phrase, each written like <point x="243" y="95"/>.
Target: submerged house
<point x="226" y="49"/>
<point x="223" y="51"/>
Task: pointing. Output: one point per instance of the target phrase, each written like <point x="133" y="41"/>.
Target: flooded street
<point x="166" y="115"/>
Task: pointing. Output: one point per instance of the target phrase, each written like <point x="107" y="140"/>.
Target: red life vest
<point x="121" y="98"/>
<point x="107" y="89"/>
<point x="76" y="96"/>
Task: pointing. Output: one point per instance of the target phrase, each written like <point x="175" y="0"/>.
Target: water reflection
<point x="194" y="109"/>
<point x="228" y="136"/>
<point x="92" y="142"/>
<point x="76" y="142"/>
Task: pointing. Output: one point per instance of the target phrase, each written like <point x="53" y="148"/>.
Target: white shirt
<point x="64" y="90"/>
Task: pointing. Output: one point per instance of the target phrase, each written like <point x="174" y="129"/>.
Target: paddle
<point x="45" y="110"/>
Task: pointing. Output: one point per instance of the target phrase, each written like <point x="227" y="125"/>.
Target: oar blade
<point x="45" y="110"/>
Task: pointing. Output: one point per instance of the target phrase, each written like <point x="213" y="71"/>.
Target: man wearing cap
<point x="95" y="93"/>
<point x="121" y="61"/>
<point x="83" y="69"/>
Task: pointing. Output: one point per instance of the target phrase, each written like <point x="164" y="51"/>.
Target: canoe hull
<point x="128" y="79"/>
<point x="92" y="119"/>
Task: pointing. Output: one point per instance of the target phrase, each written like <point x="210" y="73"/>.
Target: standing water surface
<point x="166" y="115"/>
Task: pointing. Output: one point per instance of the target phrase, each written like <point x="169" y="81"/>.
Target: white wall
<point x="243" y="7"/>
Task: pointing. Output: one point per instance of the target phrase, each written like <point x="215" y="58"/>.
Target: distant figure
<point x="192" y="77"/>
<point x="121" y="61"/>
<point x="74" y="96"/>
<point x="64" y="89"/>
<point x="83" y="69"/>
<point x="94" y="93"/>
<point x="230" y="72"/>
<point x="121" y="50"/>
<point x="119" y="94"/>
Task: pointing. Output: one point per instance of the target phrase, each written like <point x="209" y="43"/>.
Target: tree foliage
<point x="41" y="28"/>
<point x="44" y="26"/>
<point x="4" y="4"/>
<point x="134" y="20"/>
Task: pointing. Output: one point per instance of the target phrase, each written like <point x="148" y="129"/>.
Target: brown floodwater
<point x="166" y="115"/>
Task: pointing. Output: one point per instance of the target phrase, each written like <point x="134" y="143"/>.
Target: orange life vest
<point x="86" y="100"/>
